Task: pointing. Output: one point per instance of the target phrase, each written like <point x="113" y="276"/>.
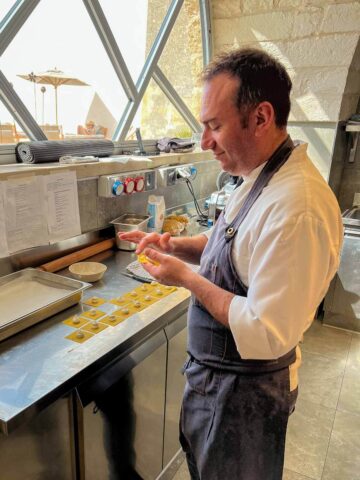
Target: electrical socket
<point x="169" y="176"/>
<point x="166" y="176"/>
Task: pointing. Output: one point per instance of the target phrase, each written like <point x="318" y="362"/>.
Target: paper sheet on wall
<point x="63" y="216"/>
<point x="25" y="219"/>
<point x="4" y="251"/>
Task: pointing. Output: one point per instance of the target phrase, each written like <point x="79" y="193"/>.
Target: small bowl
<point x="88" y="271"/>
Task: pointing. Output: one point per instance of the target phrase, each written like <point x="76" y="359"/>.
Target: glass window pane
<point x="5" y="6"/>
<point x="182" y="58"/>
<point x="157" y="118"/>
<point x="10" y="132"/>
<point x="60" y="36"/>
<point x="134" y="30"/>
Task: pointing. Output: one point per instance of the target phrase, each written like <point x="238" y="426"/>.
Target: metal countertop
<point x="39" y="365"/>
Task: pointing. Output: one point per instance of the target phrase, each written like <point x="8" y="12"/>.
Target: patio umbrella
<point x="56" y="78"/>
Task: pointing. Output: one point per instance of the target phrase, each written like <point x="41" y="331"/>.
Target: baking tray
<point x="30" y="296"/>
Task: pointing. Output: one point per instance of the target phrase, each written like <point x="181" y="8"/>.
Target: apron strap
<point x="275" y="162"/>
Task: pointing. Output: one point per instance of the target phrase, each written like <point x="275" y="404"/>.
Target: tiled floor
<point x="323" y="440"/>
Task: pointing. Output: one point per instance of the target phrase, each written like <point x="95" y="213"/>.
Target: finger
<point x="134" y="236"/>
<point x="150" y="268"/>
<point x="164" y="241"/>
<point x="154" y="255"/>
<point x="150" y="238"/>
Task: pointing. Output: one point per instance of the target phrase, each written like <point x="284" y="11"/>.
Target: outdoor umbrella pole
<point x="56" y="104"/>
<point x="55" y="78"/>
<point x="35" y="100"/>
<point x="43" y="90"/>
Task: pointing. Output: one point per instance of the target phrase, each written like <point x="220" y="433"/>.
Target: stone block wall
<point x="318" y="42"/>
<point x="181" y="62"/>
<point x="314" y="39"/>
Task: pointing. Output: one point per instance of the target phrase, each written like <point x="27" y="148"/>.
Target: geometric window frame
<point x="22" y="9"/>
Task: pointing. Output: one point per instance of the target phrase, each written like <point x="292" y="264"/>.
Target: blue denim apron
<point x="235" y="411"/>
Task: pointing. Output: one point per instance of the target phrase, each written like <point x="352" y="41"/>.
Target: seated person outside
<point x="91" y="129"/>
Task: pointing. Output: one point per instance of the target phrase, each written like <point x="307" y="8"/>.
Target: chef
<point x="264" y="269"/>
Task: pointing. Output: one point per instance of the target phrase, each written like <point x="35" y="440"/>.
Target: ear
<point x="264" y="118"/>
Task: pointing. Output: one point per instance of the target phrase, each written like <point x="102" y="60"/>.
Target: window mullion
<point x="175" y="99"/>
<point x="147" y="71"/>
<point x="205" y="19"/>
<point x="14" y="21"/>
<point x="18" y="110"/>
<point x="106" y="36"/>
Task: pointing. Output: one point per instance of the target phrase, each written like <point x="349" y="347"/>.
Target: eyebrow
<point x="206" y="122"/>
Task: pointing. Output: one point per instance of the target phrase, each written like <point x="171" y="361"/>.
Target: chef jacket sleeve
<point x="289" y="273"/>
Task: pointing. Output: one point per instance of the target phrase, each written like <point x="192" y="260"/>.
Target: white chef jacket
<point x="286" y="252"/>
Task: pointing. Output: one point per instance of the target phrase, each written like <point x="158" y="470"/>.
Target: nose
<point x="207" y="142"/>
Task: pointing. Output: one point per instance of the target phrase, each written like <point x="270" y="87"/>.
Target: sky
<point x="61" y="34"/>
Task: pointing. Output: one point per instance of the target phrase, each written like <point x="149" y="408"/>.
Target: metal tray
<point x="30" y="296"/>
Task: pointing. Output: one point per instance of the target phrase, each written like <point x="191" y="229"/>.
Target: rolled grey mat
<point x="50" y="151"/>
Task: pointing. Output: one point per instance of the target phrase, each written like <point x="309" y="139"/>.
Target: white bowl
<point x="88" y="271"/>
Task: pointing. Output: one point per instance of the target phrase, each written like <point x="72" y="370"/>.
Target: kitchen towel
<point x="175" y="144"/>
<point x="50" y="151"/>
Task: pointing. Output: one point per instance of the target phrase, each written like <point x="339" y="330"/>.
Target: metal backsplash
<point x="96" y="213"/>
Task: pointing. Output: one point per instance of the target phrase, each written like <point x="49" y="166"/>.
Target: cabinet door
<point x="175" y="383"/>
<point x="41" y="449"/>
<point x="122" y="428"/>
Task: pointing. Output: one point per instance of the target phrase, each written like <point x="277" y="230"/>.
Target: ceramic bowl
<point x="88" y="271"/>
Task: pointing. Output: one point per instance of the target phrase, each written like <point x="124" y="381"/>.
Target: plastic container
<point x="156" y="211"/>
<point x="127" y="223"/>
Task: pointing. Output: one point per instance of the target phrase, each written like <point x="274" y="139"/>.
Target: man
<point x="264" y="269"/>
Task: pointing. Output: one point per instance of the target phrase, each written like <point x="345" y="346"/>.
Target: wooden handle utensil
<point x="78" y="256"/>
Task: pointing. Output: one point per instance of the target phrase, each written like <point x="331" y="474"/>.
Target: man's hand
<point x="188" y="249"/>
<point x="161" y="243"/>
<point x="170" y="270"/>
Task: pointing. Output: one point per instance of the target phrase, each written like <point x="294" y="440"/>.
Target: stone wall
<point x="318" y="42"/>
<point x="314" y="39"/>
<point x="181" y="62"/>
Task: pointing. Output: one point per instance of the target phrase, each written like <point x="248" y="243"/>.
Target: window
<point x="5" y="6"/>
<point x="134" y="29"/>
<point x="157" y="118"/>
<point x="183" y="67"/>
<point x="61" y="71"/>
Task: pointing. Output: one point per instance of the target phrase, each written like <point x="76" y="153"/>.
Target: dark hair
<point x="262" y="78"/>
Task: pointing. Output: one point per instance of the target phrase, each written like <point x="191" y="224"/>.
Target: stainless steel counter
<point x="39" y="365"/>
